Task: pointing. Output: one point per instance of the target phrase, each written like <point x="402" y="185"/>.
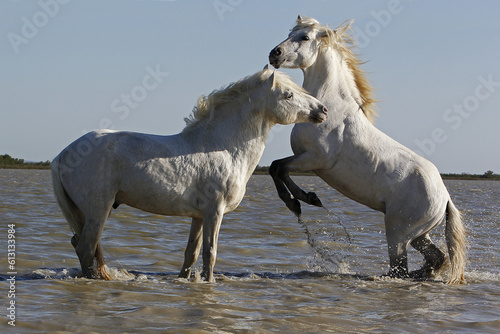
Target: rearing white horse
<point x="357" y="159"/>
<point x="201" y="172"/>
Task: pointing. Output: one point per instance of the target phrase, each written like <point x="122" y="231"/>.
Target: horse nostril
<point x="325" y="110"/>
<point x="277" y="51"/>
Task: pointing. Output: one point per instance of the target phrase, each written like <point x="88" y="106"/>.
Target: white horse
<point x="357" y="159"/>
<point x="201" y="172"/>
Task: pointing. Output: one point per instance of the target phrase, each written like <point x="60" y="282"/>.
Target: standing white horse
<point x="357" y="159"/>
<point x="201" y="172"/>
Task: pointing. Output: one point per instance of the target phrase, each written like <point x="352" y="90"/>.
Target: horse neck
<point x="238" y="127"/>
<point x="330" y="81"/>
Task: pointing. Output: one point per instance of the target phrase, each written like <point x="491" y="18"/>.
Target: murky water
<point x="269" y="277"/>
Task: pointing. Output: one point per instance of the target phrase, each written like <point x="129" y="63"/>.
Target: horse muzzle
<point x="319" y="116"/>
<point x="276" y="57"/>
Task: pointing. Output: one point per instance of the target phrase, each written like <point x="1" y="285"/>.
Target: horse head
<point x="289" y="103"/>
<point x="302" y="46"/>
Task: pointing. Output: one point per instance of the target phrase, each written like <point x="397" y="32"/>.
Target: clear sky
<point x="67" y="67"/>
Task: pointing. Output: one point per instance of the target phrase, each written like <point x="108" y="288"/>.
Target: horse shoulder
<point x="322" y="142"/>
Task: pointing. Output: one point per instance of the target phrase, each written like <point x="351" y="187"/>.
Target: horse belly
<point x="159" y="192"/>
<point x="158" y="203"/>
<point x="355" y="188"/>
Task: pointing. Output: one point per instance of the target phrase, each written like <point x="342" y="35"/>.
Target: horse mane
<point x="208" y="105"/>
<point x="342" y="40"/>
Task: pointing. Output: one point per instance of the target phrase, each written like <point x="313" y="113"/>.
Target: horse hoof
<point x="294" y="206"/>
<point x="422" y="273"/>
<point x="185" y="273"/>
<point x="74" y="241"/>
<point x="90" y="274"/>
<point x="398" y="273"/>
<point x="313" y="199"/>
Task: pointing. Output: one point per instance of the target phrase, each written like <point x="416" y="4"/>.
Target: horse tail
<point x="70" y="210"/>
<point x="74" y="216"/>
<point x="456" y="241"/>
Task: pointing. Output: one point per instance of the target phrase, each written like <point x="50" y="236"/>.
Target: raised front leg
<point x="284" y="184"/>
<point x="277" y="170"/>
<point x="211" y="227"/>
<point x="193" y="247"/>
<point x="310" y="198"/>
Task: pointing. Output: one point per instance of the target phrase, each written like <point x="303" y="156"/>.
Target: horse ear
<point x="266" y="67"/>
<point x="299" y="18"/>
<point x="272" y="80"/>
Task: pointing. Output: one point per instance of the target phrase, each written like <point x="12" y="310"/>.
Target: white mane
<point x="341" y="39"/>
<point x="208" y="105"/>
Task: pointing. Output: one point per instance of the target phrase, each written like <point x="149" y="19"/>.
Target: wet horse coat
<point x="357" y="159"/>
<point x="200" y="173"/>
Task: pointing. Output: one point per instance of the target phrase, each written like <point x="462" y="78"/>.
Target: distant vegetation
<point x="6" y="161"/>
<point x="489" y="175"/>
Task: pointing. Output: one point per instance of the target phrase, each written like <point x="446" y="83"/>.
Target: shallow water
<point x="273" y="275"/>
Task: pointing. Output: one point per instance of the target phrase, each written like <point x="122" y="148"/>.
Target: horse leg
<point x="398" y="259"/>
<point x="276" y="171"/>
<point x="310" y="198"/>
<point x="280" y="172"/>
<point x="88" y="249"/>
<point x="397" y="242"/>
<point x="303" y="162"/>
<point x="434" y="257"/>
<point x="211" y="227"/>
<point x="193" y="247"/>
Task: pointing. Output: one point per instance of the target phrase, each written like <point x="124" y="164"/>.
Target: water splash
<point x="330" y="249"/>
<point x="339" y="221"/>
<point x="76" y="273"/>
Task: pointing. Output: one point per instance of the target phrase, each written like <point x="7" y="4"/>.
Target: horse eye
<point x="305" y="38"/>
<point x="289" y="95"/>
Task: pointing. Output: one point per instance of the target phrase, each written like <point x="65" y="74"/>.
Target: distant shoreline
<point x="488" y="176"/>
<point x="27" y="166"/>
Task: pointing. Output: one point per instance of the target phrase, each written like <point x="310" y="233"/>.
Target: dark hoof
<point x="90" y="274"/>
<point x="422" y="273"/>
<point x="74" y="241"/>
<point x="313" y="199"/>
<point x="398" y="273"/>
<point x="186" y="273"/>
<point x="294" y="206"/>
